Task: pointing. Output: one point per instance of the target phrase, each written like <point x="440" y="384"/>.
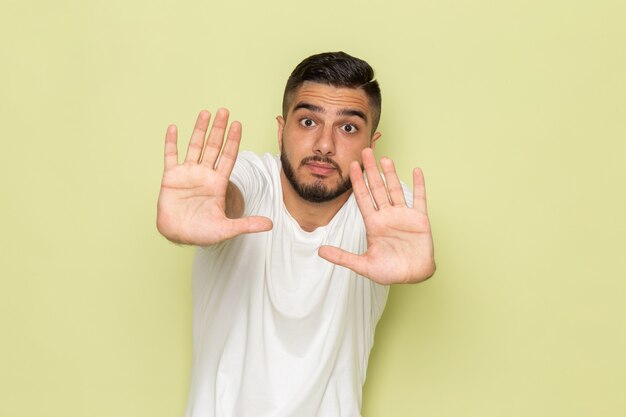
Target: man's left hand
<point x="399" y="239"/>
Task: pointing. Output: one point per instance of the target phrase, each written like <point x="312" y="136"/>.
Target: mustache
<point x="323" y="160"/>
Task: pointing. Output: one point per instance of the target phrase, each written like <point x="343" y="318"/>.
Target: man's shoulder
<point x="266" y="160"/>
<point x="256" y="176"/>
<point x="255" y="166"/>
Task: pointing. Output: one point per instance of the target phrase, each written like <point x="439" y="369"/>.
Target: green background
<point x="516" y="111"/>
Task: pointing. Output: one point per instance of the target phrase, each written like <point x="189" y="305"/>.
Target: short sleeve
<point x="408" y="194"/>
<point x="252" y="177"/>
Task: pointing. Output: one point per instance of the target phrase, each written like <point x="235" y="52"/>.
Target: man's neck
<point x="310" y="215"/>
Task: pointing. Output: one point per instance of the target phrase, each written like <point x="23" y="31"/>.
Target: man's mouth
<point x="321" y="166"/>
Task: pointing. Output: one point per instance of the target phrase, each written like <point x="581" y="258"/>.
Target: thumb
<point x="343" y="258"/>
<point x="253" y="224"/>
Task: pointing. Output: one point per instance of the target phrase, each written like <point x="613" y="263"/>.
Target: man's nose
<point x="325" y="143"/>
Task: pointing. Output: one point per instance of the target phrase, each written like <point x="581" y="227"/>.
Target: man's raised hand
<point x="197" y="204"/>
<point x="399" y="239"/>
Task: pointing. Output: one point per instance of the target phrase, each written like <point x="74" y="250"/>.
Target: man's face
<point x="325" y="129"/>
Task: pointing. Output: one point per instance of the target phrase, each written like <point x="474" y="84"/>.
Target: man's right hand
<point x="197" y="204"/>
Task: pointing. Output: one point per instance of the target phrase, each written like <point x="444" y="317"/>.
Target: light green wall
<point x="516" y="110"/>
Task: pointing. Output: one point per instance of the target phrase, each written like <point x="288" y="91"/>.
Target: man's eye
<point x="349" y="128"/>
<point x="307" y="122"/>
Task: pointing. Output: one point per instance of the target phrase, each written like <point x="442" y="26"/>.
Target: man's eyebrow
<point x="342" y="112"/>
<point x="352" y="112"/>
<point x="308" y="106"/>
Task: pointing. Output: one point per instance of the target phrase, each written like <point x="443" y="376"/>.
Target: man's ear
<point x="281" y="126"/>
<point x="374" y="138"/>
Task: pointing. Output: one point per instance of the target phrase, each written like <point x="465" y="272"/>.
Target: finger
<point x="196" y="143"/>
<point x="393" y="183"/>
<point x="419" y="191"/>
<point x="216" y="138"/>
<point x="361" y="193"/>
<point x="231" y="148"/>
<point x="171" y="150"/>
<point x="374" y="180"/>
<point x="253" y="224"/>
<point x="343" y="258"/>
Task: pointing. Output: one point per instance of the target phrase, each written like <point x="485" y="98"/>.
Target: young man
<point x="294" y="252"/>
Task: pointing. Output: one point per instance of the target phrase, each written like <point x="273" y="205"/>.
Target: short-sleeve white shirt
<point x="277" y="330"/>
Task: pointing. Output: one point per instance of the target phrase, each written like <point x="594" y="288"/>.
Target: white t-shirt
<point x="277" y="330"/>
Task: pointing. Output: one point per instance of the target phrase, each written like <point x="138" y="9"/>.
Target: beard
<point x="316" y="192"/>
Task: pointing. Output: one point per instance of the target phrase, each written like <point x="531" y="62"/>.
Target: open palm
<point x="399" y="239"/>
<point x="197" y="201"/>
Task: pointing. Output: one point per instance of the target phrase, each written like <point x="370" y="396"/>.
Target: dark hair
<point x="337" y="69"/>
